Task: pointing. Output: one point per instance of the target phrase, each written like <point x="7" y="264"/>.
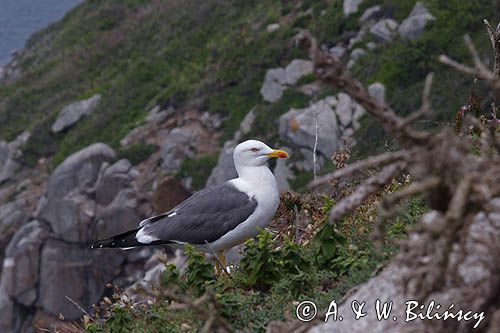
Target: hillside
<point x="214" y="57"/>
<point x="163" y="91"/>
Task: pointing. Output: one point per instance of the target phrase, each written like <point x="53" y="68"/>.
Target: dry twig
<point x="356" y="168"/>
<point x="458" y="176"/>
<point x="371" y="186"/>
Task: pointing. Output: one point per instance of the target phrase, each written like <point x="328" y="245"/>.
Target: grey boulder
<point x="351" y="6"/>
<point x="119" y="216"/>
<point x="283" y="172"/>
<point x="377" y="90"/>
<point x="176" y="147"/>
<point x="12" y="217"/>
<point x="384" y="30"/>
<point x="413" y="26"/>
<point x="74" y="112"/>
<point x="10" y="320"/>
<point x="298" y="126"/>
<point x="116" y="177"/>
<point x="66" y="206"/>
<point x="9" y="152"/>
<point x="70" y="271"/>
<point x="272" y="88"/>
<point x="370" y="15"/>
<point x="277" y="79"/>
<point x="224" y="170"/>
<point x="21" y="263"/>
<point x="296" y="69"/>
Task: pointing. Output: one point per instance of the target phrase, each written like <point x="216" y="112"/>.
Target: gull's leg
<point x="222" y="259"/>
<point x="217" y="267"/>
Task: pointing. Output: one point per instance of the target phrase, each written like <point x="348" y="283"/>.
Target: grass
<point x="137" y="54"/>
<point x="137" y="153"/>
<point x="402" y="65"/>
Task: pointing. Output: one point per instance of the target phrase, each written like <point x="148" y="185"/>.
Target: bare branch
<point x="457" y="203"/>
<point x="444" y="59"/>
<point x="475" y="55"/>
<point x="388" y="209"/>
<point x="370" y="162"/>
<point x="426" y="107"/>
<point x="373" y="185"/>
<point x="79" y="307"/>
<point x="315" y="148"/>
<point x="210" y="315"/>
<point x="479" y="70"/>
<point x="494" y="35"/>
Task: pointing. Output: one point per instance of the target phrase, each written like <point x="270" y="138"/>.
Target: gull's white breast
<point x="265" y="191"/>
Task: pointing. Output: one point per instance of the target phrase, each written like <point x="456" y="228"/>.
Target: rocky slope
<point x="121" y="110"/>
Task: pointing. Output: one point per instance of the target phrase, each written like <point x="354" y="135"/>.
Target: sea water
<point x="19" y="19"/>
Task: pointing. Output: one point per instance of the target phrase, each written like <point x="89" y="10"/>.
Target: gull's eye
<point x="254" y="150"/>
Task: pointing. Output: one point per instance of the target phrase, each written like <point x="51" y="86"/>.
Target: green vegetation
<point x="402" y="65"/>
<point x="213" y="55"/>
<point x="273" y="274"/>
<point x="139" y="53"/>
<point x="136" y="153"/>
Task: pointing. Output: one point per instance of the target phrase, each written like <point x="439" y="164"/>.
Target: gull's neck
<point x="260" y="175"/>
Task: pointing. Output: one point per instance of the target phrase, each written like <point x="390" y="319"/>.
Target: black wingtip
<point x="126" y="239"/>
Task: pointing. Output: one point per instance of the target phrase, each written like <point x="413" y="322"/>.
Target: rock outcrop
<point x="75" y="272"/>
<point x="273" y="86"/>
<point x="377" y="90"/>
<point x="12" y="217"/>
<point x="22" y="264"/>
<point x="351" y="6"/>
<point x="66" y="206"/>
<point x="467" y="281"/>
<point x="169" y="192"/>
<point x="48" y="264"/>
<point x="298" y="126"/>
<point x="384" y="30"/>
<point x="224" y="170"/>
<point x="370" y="16"/>
<point x="9" y="153"/>
<point x="177" y="146"/>
<point x="413" y="26"/>
<point x="72" y="113"/>
<point x="277" y="79"/>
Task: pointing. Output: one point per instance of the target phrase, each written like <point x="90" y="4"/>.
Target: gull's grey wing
<point x="204" y="217"/>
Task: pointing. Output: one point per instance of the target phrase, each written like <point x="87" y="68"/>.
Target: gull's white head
<point x="255" y="153"/>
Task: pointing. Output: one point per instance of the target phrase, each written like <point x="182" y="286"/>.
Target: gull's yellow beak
<point x="278" y="153"/>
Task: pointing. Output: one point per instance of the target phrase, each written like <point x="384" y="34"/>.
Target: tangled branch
<point x="458" y="174"/>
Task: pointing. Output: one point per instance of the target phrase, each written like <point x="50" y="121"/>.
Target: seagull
<point x="217" y="217"/>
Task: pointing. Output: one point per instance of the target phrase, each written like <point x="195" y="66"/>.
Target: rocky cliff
<point x="121" y="110"/>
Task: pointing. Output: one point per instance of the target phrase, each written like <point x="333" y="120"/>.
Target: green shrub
<point x="260" y="263"/>
<point x="137" y="153"/>
<point x="200" y="272"/>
